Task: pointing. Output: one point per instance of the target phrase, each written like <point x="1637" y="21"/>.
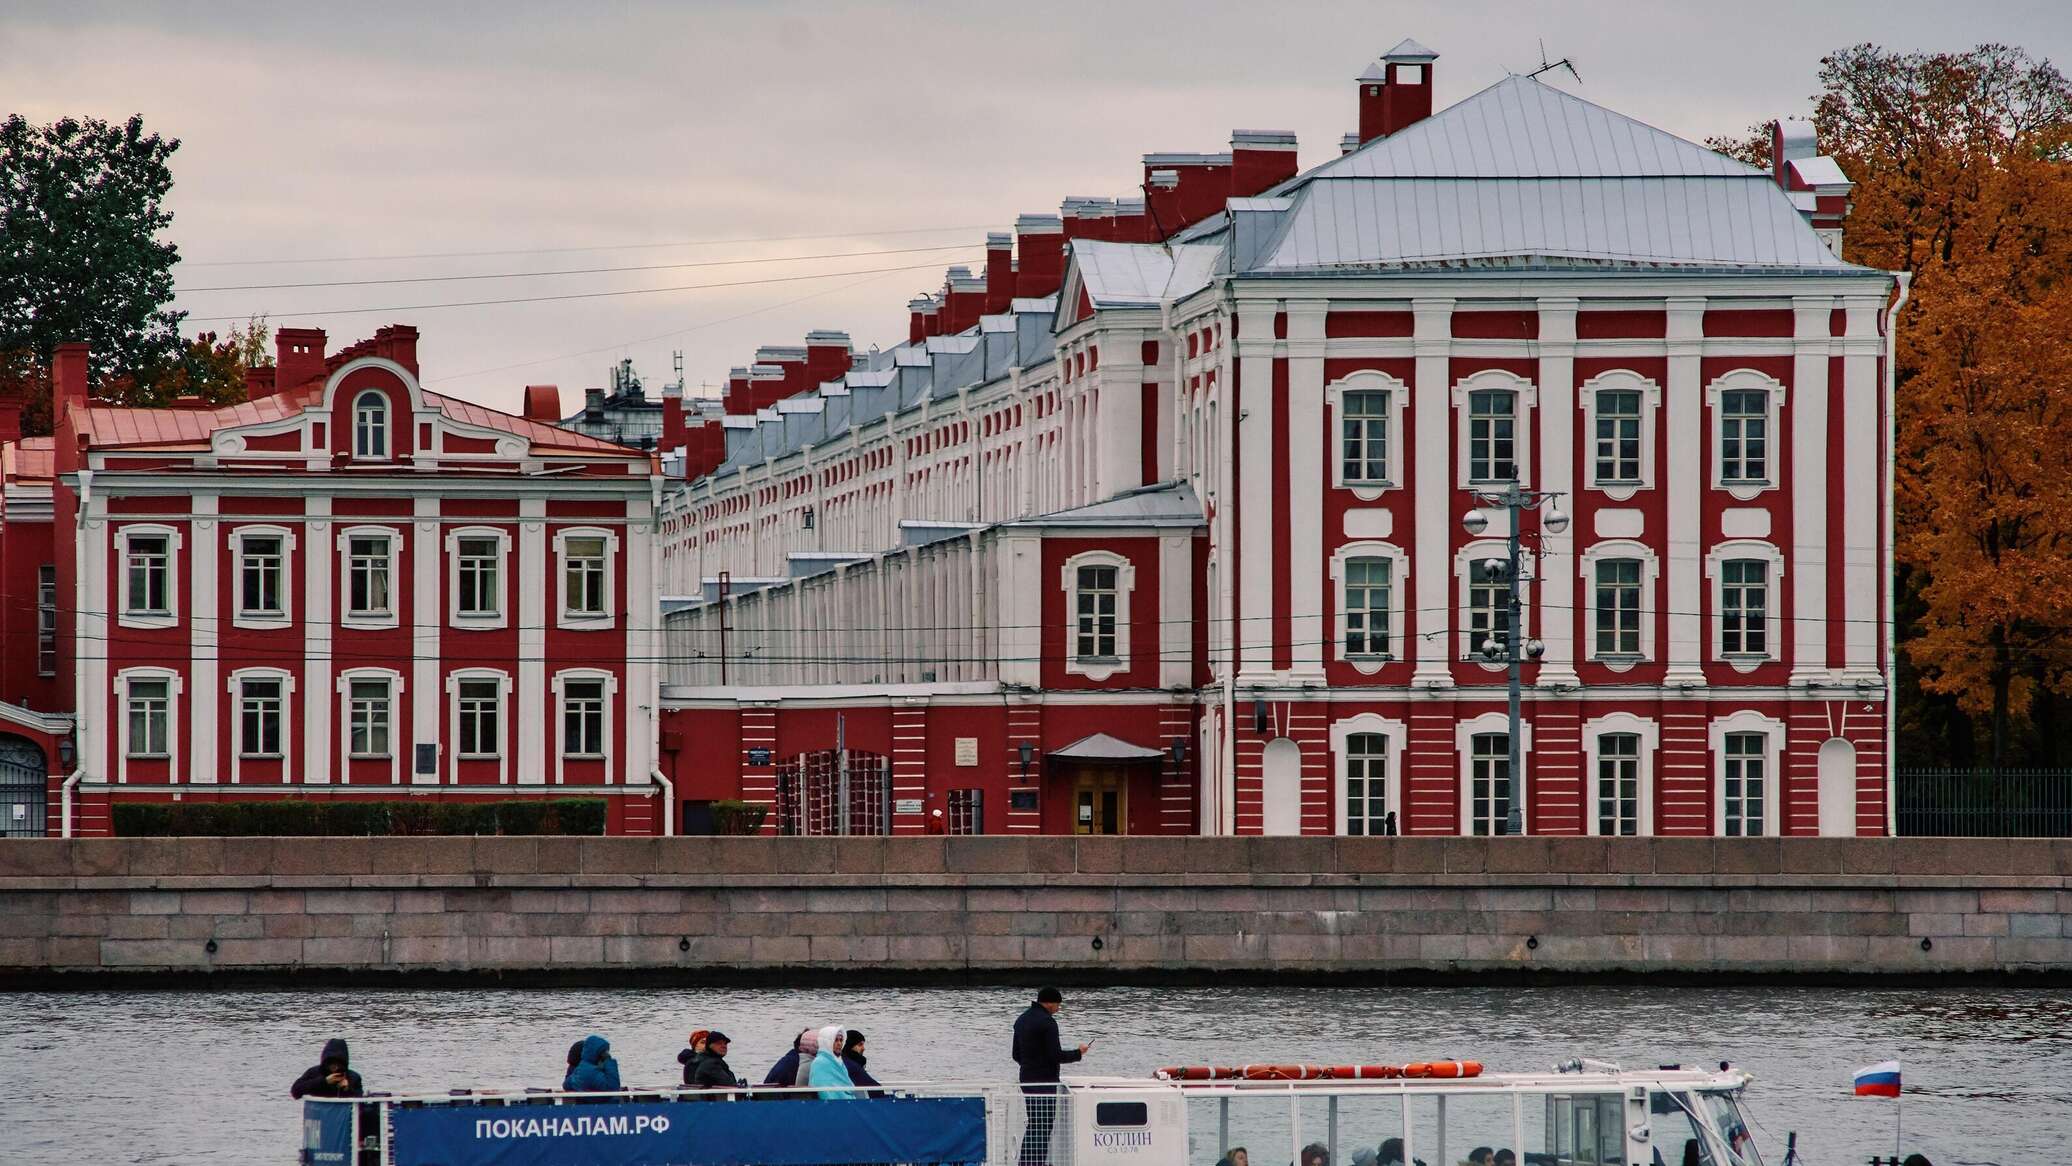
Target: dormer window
<point x="370" y="425"/>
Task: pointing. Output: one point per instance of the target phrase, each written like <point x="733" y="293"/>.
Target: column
<point x="1254" y="490"/>
<point x="1305" y="486"/>
<point x="1864" y="484"/>
<point x="1557" y="421"/>
<point x="1684" y="400"/>
<point x="427" y="620"/>
<point x="643" y="693"/>
<point x="1806" y="462"/>
<point x="319" y="696"/>
<point x="1431" y="564"/>
<point x="537" y="589"/>
<point x="204" y="623"/>
<point x="1176" y="614"/>
<point x="1120" y="434"/>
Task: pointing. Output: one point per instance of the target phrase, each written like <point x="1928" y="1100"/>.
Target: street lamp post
<point x="1514" y="651"/>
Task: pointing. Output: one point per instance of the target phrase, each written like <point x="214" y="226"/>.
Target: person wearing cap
<point x="853" y="1059"/>
<point x="690" y="1056"/>
<point x="712" y="1070"/>
<point x="1039" y="1052"/>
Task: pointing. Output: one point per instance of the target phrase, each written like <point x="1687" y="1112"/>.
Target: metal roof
<point x="1141" y="274"/>
<point x="1102" y="747"/>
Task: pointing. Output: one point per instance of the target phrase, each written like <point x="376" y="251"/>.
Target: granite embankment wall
<point x="617" y="910"/>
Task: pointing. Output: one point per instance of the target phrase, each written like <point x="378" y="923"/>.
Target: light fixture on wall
<point x="66" y="753"/>
<point x="1028" y="753"/>
<point x="1261" y="724"/>
<point x="1179" y="751"/>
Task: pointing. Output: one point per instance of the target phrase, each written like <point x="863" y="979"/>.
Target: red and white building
<point x="346" y="587"/>
<point x="1154" y="525"/>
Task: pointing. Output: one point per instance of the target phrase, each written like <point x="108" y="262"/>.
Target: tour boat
<point x="1438" y="1113"/>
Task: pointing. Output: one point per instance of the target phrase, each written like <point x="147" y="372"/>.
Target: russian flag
<point x="1879" y="1080"/>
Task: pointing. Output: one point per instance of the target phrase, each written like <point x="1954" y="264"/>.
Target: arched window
<point x="370" y="425"/>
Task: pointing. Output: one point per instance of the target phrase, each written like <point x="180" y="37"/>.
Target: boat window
<point x="1473" y="1129"/>
<point x="1583" y="1129"/>
<point x="1110" y="1114"/>
<point x="1699" y="1130"/>
<point x="1725" y="1116"/>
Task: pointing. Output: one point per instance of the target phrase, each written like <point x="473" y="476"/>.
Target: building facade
<point x="1156" y="525"/>
<point x="345" y="587"/>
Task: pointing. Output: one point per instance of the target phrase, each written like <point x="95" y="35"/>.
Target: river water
<point x="193" y="1077"/>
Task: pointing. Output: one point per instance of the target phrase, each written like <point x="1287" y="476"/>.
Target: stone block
<point x="1750" y="952"/>
<point x="421" y="856"/>
<point x="1362" y="855"/>
<point x="2017" y="900"/>
<point x="548" y="902"/>
<point x="1218" y="855"/>
<point x="995" y="949"/>
<point x="1054" y="951"/>
<point x="995" y="898"/>
<point x="1828" y="951"/>
<point x="1749" y="856"/>
<point x="841" y="900"/>
<point x="282" y="953"/>
<point x="1685" y="855"/>
<point x="321" y="902"/>
<point x="1629" y="855"/>
<point x="1143" y="922"/>
<point x="420" y="902"/>
<point x="247" y="856"/>
<point x="805" y="856"/>
<point x="1940" y="923"/>
<point x="1575" y="898"/>
<point x="559" y="855"/>
<point x="510" y="951"/>
<point x="922" y="855"/>
<point x="2033" y="952"/>
<point x="214" y="902"/>
<point x="74" y="954"/>
<point x="1518" y="856"/>
<point x="1147" y="855"/>
<point x="429" y="951"/>
<point x="633" y="902"/>
<point x="1095" y="854"/>
<point x="154" y="902"/>
<point x="1812" y="855"/>
<point x="1577" y="855"/>
<point x="270" y="902"/>
<point x="724" y="950"/>
<point x="779" y="950"/>
<point x="988" y="855"/>
<point x="1225" y="949"/>
<point x="1937" y="901"/>
<point x="2025" y="925"/>
<point x="87" y="858"/>
<point x="89" y="902"/>
<point x="153" y="953"/>
<point x="23" y="953"/>
<point x="505" y="856"/>
<point x="575" y="951"/>
<point x="93" y="926"/>
<point x="207" y="927"/>
<point x="342" y="951"/>
<point x="1466" y="855"/>
<point x="1301" y="949"/>
<point x="923" y="898"/>
<point x="618" y="856"/>
<point x="1291" y="855"/>
<point x="323" y="856"/>
<point x="428" y="924"/>
<point x="861" y="856"/>
<point x="1377" y="949"/>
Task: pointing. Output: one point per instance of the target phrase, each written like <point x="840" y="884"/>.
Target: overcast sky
<point x="572" y="135"/>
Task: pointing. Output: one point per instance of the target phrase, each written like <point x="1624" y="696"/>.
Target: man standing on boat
<point x="1039" y="1052"/>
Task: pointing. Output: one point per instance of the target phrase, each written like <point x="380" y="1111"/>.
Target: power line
<point x="575" y="250"/>
<point x="566" y="271"/>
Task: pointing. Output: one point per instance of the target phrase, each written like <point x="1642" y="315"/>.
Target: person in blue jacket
<point x="854" y="1061"/>
<point x="829" y="1074"/>
<point x="598" y="1072"/>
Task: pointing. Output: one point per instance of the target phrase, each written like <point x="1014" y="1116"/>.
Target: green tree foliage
<point x="82" y="202"/>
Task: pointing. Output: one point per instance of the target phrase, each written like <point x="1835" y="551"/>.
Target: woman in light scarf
<point x="829" y="1074"/>
<point x="809" y="1044"/>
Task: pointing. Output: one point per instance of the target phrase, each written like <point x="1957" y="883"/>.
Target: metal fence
<point x="1984" y="803"/>
<point x="834" y="791"/>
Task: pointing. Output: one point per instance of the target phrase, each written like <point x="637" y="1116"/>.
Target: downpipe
<point x="65" y="802"/>
<point x="1906" y="288"/>
<point x="668" y="801"/>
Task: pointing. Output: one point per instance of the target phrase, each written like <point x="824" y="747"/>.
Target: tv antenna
<point x="1547" y="66"/>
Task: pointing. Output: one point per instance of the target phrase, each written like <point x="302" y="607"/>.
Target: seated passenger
<point x="785" y="1073"/>
<point x="854" y="1060"/>
<point x="1391" y="1152"/>
<point x="597" y="1072"/>
<point x="1480" y="1155"/>
<point x="691" y="1054"/>
<point x="712" y="1070"/>
<point x="1504" y="1158"/>
<point x="330" y="1076"/>
<point x="1315" y="1154"/>
<point x="1236" y="1156"/>
<point x="575" y="1057"/>
<point x="828" y="1074"/>
<point x="1364" y="1156"/>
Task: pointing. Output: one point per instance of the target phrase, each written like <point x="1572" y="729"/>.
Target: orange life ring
<point x="1443" y="1069"/>
<point x="1299" y="1072"/>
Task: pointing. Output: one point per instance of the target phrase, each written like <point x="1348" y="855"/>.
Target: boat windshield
<point x="1700" y="1129"/>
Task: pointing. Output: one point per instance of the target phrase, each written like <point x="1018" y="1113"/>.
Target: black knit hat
<point x="1049" y="996"/>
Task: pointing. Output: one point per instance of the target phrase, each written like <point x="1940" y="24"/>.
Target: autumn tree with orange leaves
<point x="1963" y="172"/>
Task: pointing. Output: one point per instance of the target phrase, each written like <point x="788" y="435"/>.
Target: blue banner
<point x="866" y="1132"/>
<point x="327" y="1133"/>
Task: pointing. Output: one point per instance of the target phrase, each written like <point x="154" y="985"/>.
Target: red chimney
<point x="543" y="404"/>
<point x="1162" y="201"/>
<point x="964" y="300"/>
<point x="398" y="342"/>
<point x="1132" y="225"/>
<point x="827" y="356"/>
<point x="67" y="379"/>
<point x="1039" y="255"/>
<point x="298" y="356"/>
<point x="1200" y="184"/>
<point x="920" y="314"/>
<point x="1088" y="218"/>
<point x="672" y="419"/>
<point x="259" y="382"/>
<point x="1396" y="91"/>
<point x="999" y="272"/>
<point x="1260" y="160"/>
<point x="736" y="399"/>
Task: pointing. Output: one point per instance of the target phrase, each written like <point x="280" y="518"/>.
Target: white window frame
<point x="1098" y="669"/>
<point x="347" y="617"/>
<point x="611" y="691"/>
<point x="1650" y="736"/>
<point x="344" y="688"/>
<point x="1367" y="381"/>
<point x="1650" y="593"/>
<point x="384" y="409"/>
<point x="234" y="685"/>
<point x="1526" y="400"/>
<point x="174" y="685"/>
<point x="124" y="616"/>
<point x="1747" y="721"/>
<point x="1464" y="562"/>
<point x="1397" y="734"/>
<point x="1399" y="586"/>
<point x="1464" y="734"/>
<point x="479" y="620"/>
<point x="1622" y="381"/>
<point x="1715" y="559"/>
<point x="504" y="727"/>
<point x="241" y="616"/>
<point x="47" y="619"/>
<point x="585" y="620"/>
<point x="1746" y="378"/>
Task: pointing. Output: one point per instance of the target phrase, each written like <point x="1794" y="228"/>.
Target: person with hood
<point x="598" y="1072"/>
<point x="785" y="1073"/>
<point x="331" y="1076"/>
<point x="809" y="1047"/>
<point x="712" y="1070"/>
<point x="828" y="1073"/>
<point x="689" y="1057"/>
<point x="854" y="1061"/>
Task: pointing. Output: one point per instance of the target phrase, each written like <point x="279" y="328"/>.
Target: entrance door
<point x="1100" y="801"/>
<point x="1280" y="786"/>
<point x="24" y="790"/>
<point x="1837" y="778"/>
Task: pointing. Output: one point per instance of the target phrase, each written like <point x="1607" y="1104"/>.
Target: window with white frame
<point x="1747" y="579"/>
<point x="1367" y="809"/>
<point x="477" y="558"/>
<point x="259" y="701"/>
<point x="1745" y="409"/>
<point x="47" y="620"/>
<point x="1368" y="603"/>
<point x="1744" y="785"/>
<point x="1097" y="586"/>
<point x="1619" y="432"/>
<point x="1488" y="613"/>
<point x="1368" y="410"/>
<point x="370" y="576"/>
<point x="479" y="708"/>
<point x="1616" y="607"/>
<point x="582" y="718"/>
<point x="1618" y="784"/>
<point x="147" y="573"/>
<point x="585" y="576"/>
<point x="1492" y="435"/>
<point x="148" y="706"/>
<point x="371" y="425"/>
<point x="370" y="717"/>
<point x="1489" y="783"/>
<point x="261" y="575"/>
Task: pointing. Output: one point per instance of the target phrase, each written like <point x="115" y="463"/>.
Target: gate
<point x="24" y="788"/>
<point x="834" y="792"/>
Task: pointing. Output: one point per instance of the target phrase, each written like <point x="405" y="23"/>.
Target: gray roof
<point x="1120" y="275"/>
<point x="1102" y="747"/>
<point x="1161" y="504"/>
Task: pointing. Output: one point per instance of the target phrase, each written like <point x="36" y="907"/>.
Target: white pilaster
<point x="318" y="694"/>
<point x="427" y="619"/>
<point x="95" y="729"/>
<point x="1306" y="431"/>
<point x="1176" y="610"/>
<point x="1430" y="436"/>
<point x="204" y="637"/>
<point x="1557" y="420"/>
<point x="1684" y="399"/>
<point x="536" y="581"/>
<point x="1120" y="435"/>
<point x="643" y="692"/>
<point x="1806" y="461"/>
<point x="1863" y="478"/>
<point x="1255" y="489"/>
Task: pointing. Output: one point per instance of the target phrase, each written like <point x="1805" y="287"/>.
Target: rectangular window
<point x="1744" y="435"/>
<point x="477" y="583"/>
<point x="582" y="718"/>
<point x="1367" y="785"/>
<point x="1618" y="784"/>
<point x="1364" y="427"/>
<point x="1745" y="789"/>
<point x="1618" y="437"/>
<point x="259" y="718"/>
<point x="47" y="620"/>
<point x="369" y="718"/>
<point x="368" y="571"/>
<point x="1367" y="607"/>
<point x="149" y="568"/>
<point x="1095" y="603"/>
<point x="149" y="717"/>
<point x="259" y="575"/>
<point x="967" y="811"/>
<point x="583" y="570"/>
<point x="1489" y="614"/>
<point x="1492" y="435"/>
<point x="481" y="706"/>
<point x="1744" y="607"/>
<point x="1618" y="607"/>
<point x="1489" y="784"/>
